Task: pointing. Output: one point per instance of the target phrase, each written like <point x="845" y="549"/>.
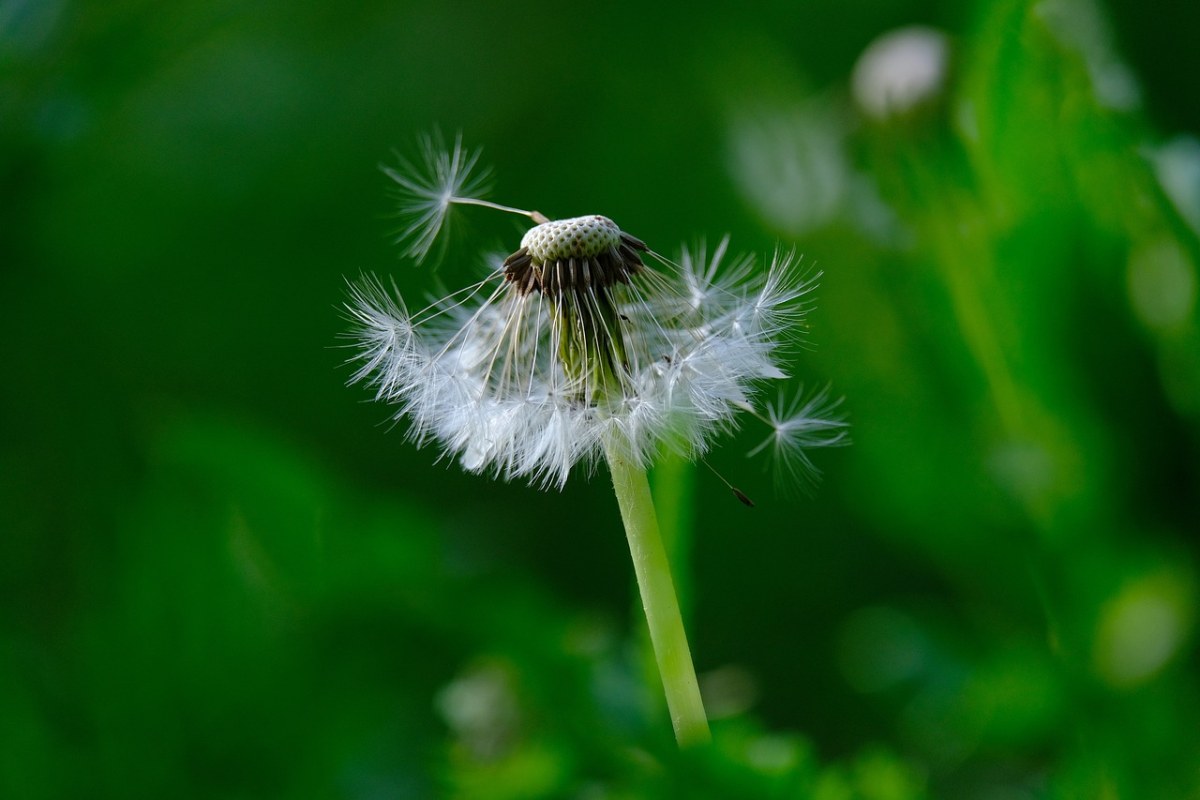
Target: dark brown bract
<point x="552" y="261"/>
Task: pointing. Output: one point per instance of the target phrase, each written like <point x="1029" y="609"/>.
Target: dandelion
<point x="583" y="345"/>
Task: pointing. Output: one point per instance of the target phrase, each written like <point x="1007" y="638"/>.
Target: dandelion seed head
<point x="583" y="338"/>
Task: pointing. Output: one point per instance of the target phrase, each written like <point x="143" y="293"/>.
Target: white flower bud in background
<point x="1081" y="25"/>
<point x="1177" y="165"/>
<point x="791" y="166"/>
<point x="899" y="71"/>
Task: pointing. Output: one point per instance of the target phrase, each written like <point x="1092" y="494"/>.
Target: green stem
<point x="658" y="598"/>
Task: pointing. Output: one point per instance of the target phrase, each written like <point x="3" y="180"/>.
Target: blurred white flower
<point x="1177" y="164"/>
<point x="900" y="70"/>
<point x="575" y="343"/>
<point x="792" y="166"/>
<point x="1082" y="26"/>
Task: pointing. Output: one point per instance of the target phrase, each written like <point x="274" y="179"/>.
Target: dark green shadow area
<point x="223" y="573"/>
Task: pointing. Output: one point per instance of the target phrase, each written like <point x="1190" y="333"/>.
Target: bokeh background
<point x="224" y="574"/>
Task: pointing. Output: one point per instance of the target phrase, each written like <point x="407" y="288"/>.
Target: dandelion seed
<point x="427" y="192"/>
<point x="798" y="426"/>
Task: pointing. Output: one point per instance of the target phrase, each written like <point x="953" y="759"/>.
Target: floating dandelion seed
<point x="426" y="193"/>
<point x="586" y="344"/>
<point x="797" y="426"/>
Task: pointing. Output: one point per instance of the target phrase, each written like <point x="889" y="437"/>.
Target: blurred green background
<point x="223" y="574"/>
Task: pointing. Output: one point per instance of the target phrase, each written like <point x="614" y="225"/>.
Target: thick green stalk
<point x="658" y="598"/>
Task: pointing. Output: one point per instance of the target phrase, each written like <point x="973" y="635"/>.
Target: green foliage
<point x="221" y="576"/>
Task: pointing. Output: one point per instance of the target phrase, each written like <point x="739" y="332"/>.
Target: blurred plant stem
<point x="658" y="599"/>
<point x="959" y="223"/>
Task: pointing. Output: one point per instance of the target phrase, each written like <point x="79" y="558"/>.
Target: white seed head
<point x="578" y="237"/>
<point x="575" y="344"/>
